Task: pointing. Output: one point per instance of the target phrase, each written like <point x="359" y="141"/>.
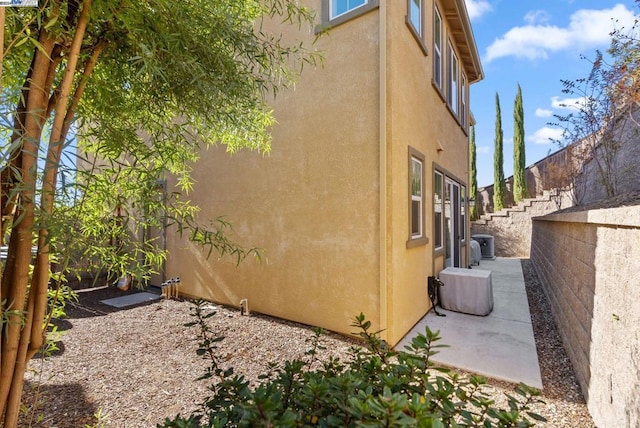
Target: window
<point x="337" y="12"/>
<point x="340" y="7"/>
<point x="415" y="15"/>
<point x="437" y="49"/>
<point x="463" y="101"/>
<point x="415" y="22"/>
<point x="416" y="199"/>
<point x="452" y="89"/>
<point x="438" y="209"/>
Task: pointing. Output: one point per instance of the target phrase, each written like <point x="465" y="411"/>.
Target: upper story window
<point x="340" y="7"/>
<point x="464" y="94"/>
<point x="415" y="15"/>
<point x="415" y="22"/>
<point x="453" y="80"/>
<point x="337" y="12"/>
<point x="437" y="48"/>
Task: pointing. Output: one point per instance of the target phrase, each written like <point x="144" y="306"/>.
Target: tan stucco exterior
<point x="329" y="204"/>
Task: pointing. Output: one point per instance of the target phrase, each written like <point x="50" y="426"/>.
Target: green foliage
<point x="101" y="420"/>
<point x="519" y="154"/>
<point x="58" y="296"/>
<point x="499" y="187"/>
<point x="376" y="387"/>
<point x="154" y="84"/>
<point x="473" y="187"/>
<point x="172" y="78"/>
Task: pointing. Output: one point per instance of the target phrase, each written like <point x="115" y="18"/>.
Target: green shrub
<point x="377" y="387"/>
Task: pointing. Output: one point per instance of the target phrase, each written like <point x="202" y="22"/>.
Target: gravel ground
<point x="137" y="365"/>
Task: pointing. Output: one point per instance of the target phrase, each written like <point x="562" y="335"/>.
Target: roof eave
<point x="455" y="12"/>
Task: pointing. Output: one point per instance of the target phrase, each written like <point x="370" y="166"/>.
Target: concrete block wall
<point x="587" y="261"/>
<point x="511" y="227"/>
<point x="625" y="164"/>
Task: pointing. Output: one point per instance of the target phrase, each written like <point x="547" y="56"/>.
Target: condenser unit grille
<point x="487" y="248"/>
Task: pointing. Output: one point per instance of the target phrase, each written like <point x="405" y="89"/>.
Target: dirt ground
<point x="137" y="365"/>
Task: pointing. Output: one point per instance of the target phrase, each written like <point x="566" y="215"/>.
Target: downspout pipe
<point x="382" y="62"/>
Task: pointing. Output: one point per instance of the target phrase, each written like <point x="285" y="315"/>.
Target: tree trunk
<point x="22" y="342"/>
<point x="15" y="280"/>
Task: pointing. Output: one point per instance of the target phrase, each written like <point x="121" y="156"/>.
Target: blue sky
<point x="534" y="43"/>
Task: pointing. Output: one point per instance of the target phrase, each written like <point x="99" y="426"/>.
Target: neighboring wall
<point x="624" y="163"/>
<point x="555" y="170"/>
<point x="511" y="227"/>
<point x="542" y="175"/>
<point x="587" y="263"/>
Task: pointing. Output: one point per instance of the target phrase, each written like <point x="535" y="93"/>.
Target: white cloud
<point x="483" y="149"/>
<point x="545" y="135"/>
<point x="568" y="103"/>
<point x="587" y="28"/>
<point x="477" y="8"/>
<point x="536" y="17"/>
<point x="543" y="112"/>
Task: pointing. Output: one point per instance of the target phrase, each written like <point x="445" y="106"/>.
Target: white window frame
<point x="333" y="4"/>
<point x="416" y="193"/>
<point x="438" y="207"/>
<point x="463" y="100"/>
<point x="453" y="80"/>
<point x="437" y="48"/>
<point x="416" y="21"/>
<point x="463" y="213"/>
<point x="417" y="196"/>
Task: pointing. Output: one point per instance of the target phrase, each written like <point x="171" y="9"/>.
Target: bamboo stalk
<point x="40" y="281"/>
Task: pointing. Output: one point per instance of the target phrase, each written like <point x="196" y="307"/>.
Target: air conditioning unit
<point x="487" y="248"/>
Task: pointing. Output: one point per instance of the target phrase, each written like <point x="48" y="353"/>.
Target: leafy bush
<point x="376" y="387"/>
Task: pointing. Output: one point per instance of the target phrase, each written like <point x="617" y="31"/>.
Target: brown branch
<point x="16" y="276"/>
<point x="56" y="59"/>
<point x="82" y="85"/>
<point x="40" y="281"/>
<point x="15" y="392"/>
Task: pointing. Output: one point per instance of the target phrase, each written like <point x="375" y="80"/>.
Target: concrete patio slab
<point x="131" y="299"/>
<point x="500" y="345"/>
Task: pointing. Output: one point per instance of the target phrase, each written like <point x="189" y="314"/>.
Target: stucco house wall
<point x="330" y="204"/>
<point x="587" y="262"/>
<point x="416" y="117"/>
<point x="312" y="204"/>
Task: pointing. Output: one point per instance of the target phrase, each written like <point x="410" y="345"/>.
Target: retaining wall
<point x="511" y="227"/>
<point x="587" y="262"/>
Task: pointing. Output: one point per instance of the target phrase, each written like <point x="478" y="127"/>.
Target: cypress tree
<point x="473" y="172"/>
<point x="519" y="162"/>
<point x="498" y="160"/>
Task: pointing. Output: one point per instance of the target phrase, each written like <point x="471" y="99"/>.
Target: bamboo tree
<point x="499" y="189"/>
<point x="473" y="188"/>
<point x="146" y="83"/>
<point x="519" y="155"/>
